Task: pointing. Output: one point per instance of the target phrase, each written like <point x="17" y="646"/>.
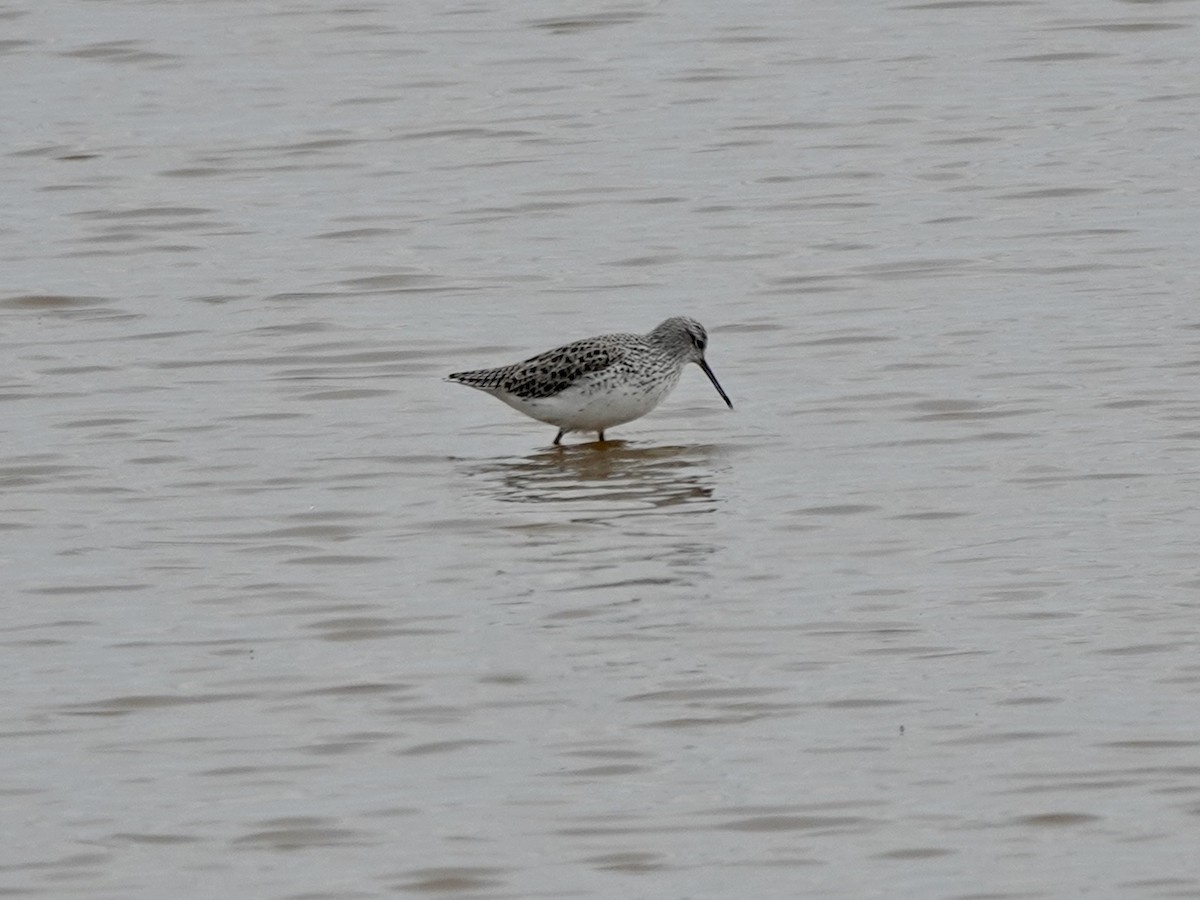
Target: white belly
<point x="590" y="408"/>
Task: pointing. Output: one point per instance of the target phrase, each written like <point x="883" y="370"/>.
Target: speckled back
<point x="555" y="370"/>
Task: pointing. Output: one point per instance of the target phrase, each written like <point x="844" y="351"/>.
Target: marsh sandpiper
<point x="599" y="382"/>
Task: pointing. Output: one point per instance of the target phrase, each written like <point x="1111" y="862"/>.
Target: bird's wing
<point x="547" y="373"/>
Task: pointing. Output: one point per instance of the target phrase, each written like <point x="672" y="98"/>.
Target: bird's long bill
<point x="716" y="384"/>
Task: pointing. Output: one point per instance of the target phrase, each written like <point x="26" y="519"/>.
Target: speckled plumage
<point x="598" y="382"/>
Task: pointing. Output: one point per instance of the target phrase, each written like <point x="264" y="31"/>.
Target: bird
<point x="599" y="382"/>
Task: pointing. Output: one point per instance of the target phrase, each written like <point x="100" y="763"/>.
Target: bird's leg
<point x="558" y="437"/>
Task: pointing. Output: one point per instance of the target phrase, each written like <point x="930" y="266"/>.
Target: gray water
<point x="288" y="616"/>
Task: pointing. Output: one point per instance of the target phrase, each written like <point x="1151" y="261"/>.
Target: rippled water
<point x="288" y="616"/>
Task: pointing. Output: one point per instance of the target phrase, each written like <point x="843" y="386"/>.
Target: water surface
<point x="287" y="614"/>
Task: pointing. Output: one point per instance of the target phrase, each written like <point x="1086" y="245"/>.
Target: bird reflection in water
<point x="618" y="474"/>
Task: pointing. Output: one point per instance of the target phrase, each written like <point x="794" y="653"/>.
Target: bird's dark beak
<point x="716" y="384"/>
